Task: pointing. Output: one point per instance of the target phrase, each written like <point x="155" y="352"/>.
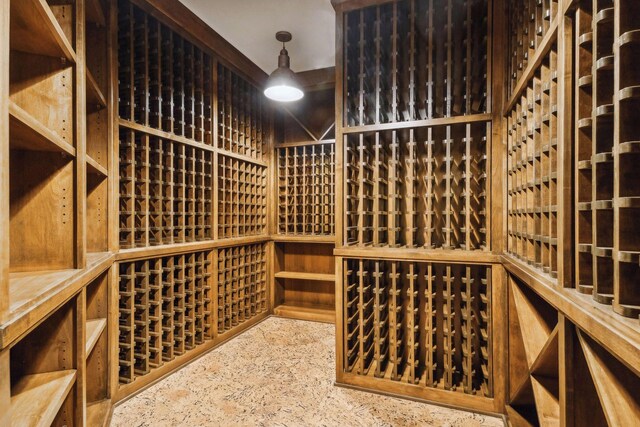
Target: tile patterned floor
<point x="279" y="373"/>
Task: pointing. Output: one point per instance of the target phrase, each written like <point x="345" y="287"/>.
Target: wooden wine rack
<point x="242" y="123"/>
<point x="538" y="333"/>
<point x="165" y="82"/>
<point x="165" y="191"/>
<point x="242" y="285"/>
<point x="626" y="298"/>
<point x="419" y="323"/>
<point x="418" y="188"/>
<point x="415" y="146"/>
<point x="165" y="310"/>
<point x="530" y="22"/>
<point x="415" y="60"/>
<point x="306" y="190"/>
<point x="532" y="144"/>
<point x="242" y="198"/>
<point x="606" y="251"/>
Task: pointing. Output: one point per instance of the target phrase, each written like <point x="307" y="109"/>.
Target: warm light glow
<point x="283" y="93"/>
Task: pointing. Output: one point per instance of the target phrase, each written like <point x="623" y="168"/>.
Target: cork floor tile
<point x="278" y="373"/>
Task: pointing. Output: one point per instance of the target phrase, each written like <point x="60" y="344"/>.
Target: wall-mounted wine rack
<point x="529" y="23"/>
<point x="242" y="198"/>
<point x="242" y="285"/>
<point x="626" y="299"/>
<point x="607" y="260"/>
<point x="306" y="195"/>
<point x="415" y="60"/>
<point x="418" y="188"/>
<point x="419" y="323"/>
<point x="242" y="123"/>
<point x="532" y="127"/>
<point x="165" y="82"/>
<point x="165" y="310"/>
<point x="165" y="191"/>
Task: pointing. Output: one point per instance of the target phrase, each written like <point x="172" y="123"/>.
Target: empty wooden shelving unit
<point x="56" y="263"/>
<point x="135" y="184"/>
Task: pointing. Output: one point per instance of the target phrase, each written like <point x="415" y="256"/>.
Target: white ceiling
<point x="251" y="25"/>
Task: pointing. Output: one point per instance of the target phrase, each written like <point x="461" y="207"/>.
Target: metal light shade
<point x="282" y="85"/>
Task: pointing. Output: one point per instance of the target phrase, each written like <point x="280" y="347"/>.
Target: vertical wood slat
<point x="448" y="315"/>
<point x="583" y="150"/>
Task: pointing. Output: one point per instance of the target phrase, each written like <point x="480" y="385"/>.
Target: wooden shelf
<point x="94" y="330"/>
<point x="36" y="399"/>
<point x="95" y="98"/>
<point x="95" y="14"/>
<point x="95" y="168"/>
<point x="324" y="315"/>
<point x="27" y="133"/>
<point x="280" y="238"/>
<point x="34" y="29"/>
<point x="32" y="295"/>
<point x="305" y="276"/>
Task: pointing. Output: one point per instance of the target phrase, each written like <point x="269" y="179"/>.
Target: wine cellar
<point x="454" y="197"/>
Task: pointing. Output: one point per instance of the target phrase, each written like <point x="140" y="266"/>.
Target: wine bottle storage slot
<point x="415" y="60"/>
<point x="419" y="323"/>
<point x="584" y="149"/>
<point x="529" y="23"/>
<point x="418" y="188"/>
<point x="165" y="82"/>
<point x="165" y="191"/>
<point x="242" y="285"/>
<point x="242" y="198"/>
<point x="306" y="190"/>
<point x="242" y="122"/>
<point x="165" y="310"/>
<point x="533" y="170"/>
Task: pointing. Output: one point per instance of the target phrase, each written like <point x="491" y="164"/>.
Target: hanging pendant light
<point x="282" y="84"/>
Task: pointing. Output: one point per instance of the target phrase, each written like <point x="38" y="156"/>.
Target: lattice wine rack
<point x="242" y="198"/>
<point x="423" y="187"/>
<point x="306" y="189"/>
<point x="608" y="100"/>
<point x="165" y="82"/>
<point x="419" y="323"/>
<point x="242" y="285"/>
<point x="165" y="191"/>
<point x="412" y="60"/>
<point x="627" y="157"/>
<point x="242" y="123"/>
<point x="605" y="144"/>
<point x="532" y="170"/>
<point x="165" y="310"/>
